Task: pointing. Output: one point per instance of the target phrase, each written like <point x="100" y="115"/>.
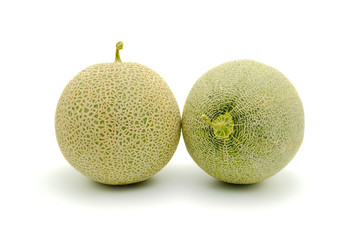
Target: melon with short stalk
<point x="117" y="123"/>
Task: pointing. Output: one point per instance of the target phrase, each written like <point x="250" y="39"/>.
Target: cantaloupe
<point x="243" y="122"/>
<point x="117" y="123"/>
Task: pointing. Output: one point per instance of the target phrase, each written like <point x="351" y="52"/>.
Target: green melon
<point x="243" y="122"/>
<point x="117" y="123"/>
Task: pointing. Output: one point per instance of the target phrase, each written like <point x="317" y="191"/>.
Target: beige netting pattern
<point x="267" y="121"/>
<point x="117" y="123"/>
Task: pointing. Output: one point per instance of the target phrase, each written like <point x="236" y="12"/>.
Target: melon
<point x="243" y="122"/>
<point x="117" y="123"/>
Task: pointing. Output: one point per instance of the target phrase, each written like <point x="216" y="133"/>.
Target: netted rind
<point x="268" y="120"/>
<point x="117" y="123"/>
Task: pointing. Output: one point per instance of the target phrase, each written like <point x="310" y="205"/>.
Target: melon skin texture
<point x="117" y="123"/>
<point x="243" y="122"/>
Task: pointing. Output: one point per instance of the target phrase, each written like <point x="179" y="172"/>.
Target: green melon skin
<point x="117" y="123"/>
<point x="243" y="122"/>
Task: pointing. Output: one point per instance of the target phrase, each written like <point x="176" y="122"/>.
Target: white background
<point x="316" y="44"/>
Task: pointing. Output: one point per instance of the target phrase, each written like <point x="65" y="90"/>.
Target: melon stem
<point x="119" y="46"/>
<point x="206" y="120"/>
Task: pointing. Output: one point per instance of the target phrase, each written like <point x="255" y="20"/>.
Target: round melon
<point x="243" y="122"/>
<point x="117" y="123"/>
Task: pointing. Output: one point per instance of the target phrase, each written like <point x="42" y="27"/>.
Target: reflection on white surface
<point x="175" y="183"/>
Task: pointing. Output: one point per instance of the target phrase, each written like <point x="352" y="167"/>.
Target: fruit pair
<point x="119" y="123"/>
